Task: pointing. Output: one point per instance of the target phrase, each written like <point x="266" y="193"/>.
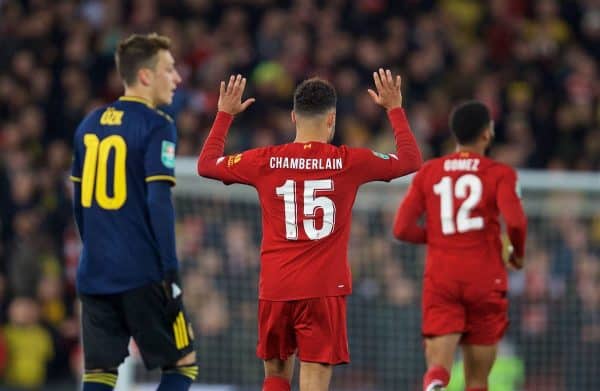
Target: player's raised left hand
<point x="230" y="96"/>
<point x="388" y="93"/>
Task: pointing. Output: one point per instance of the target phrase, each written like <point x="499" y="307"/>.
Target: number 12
<point x="464" y="222"/>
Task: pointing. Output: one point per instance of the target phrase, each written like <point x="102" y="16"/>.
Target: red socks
<point x="276" y="383"/>
<point x="436" y="376"/>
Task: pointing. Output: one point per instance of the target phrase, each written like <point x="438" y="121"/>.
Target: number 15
<point x="311" y="204"/>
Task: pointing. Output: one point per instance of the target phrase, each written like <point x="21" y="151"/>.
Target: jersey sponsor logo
<point x="380" y="155"/>
<point x="234" y="159"/>
<point x="306" y="164"/>
<point x="167" y="155"/>
<point x="461" y="165"/>
<point x="112" y="117"/>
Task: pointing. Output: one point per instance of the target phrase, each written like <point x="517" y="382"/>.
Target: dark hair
<point x="314" y="96"/>
<point x="138" y="51"/>
<point x="468" y="120"/>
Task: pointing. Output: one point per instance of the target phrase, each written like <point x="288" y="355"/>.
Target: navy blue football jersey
<point x="118" y="150"/>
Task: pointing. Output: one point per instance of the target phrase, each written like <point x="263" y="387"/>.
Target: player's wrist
<point x="224" y="113"/>
<point x="394" y="108"/>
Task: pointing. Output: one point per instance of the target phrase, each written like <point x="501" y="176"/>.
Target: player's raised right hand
<point x="230" y="96"/>
<point x="388" y="93"/>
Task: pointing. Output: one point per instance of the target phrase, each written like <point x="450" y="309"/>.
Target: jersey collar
<point x="137" y="99"/>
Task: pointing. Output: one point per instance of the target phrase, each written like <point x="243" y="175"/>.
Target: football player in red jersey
<point x="306" y="190"/>
<point x="465" y="281"/>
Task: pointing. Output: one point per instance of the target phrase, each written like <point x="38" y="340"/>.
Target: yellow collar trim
<point x="137" y="99"/>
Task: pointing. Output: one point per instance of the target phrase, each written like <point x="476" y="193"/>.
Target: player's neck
<point x="307" y="136"/>
<point x="471" y="148"/>
<point x="141" y="93"/>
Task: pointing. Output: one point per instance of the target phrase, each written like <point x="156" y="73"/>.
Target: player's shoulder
<point x="431" y="165"/>
<point x="92" y="118"/>
<point x="138" y="107"/>
<point x="499" y="169"/>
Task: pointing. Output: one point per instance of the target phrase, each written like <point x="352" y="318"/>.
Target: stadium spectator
<point x="29" y="346"/>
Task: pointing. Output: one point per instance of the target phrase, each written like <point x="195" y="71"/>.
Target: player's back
<point x="306" y="191"/>
<point x="462" y="212"/>
<point x="118" y="150"/>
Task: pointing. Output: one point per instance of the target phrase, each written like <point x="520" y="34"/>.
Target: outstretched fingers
<point x="374" y="96"/>
<point x="230" y="84"/>
<point x="377" y="81"/>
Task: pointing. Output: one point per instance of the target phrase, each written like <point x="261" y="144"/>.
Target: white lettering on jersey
<point x="305" y="164"/>
<point x="461" y="165"/>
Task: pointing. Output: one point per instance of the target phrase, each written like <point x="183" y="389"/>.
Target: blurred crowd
<point x="534" y="63"/>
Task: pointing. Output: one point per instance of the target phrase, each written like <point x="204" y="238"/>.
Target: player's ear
<point x="331" y="119"/>
<point x="293" y="115"/>
<point x="145" y="76"/>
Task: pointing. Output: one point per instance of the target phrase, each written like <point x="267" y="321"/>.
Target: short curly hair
<point x="314" y="96"/>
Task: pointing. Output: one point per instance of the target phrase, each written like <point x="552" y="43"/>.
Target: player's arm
<point x="374" y="166"/>
<point x="509" y="203"/>
<point x="211" y="162"/>
<point x="406" y="223"/>
<point x="159" y="172"/>
<point x="76" y="179"/>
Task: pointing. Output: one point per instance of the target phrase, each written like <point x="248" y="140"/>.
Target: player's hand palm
<point x="230" y="96"/>
<point x="388" y="93"/>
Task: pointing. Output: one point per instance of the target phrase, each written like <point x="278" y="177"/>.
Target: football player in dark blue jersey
<point x="127" y="279"/>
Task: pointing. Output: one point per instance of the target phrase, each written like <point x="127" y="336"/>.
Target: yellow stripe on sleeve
<point x="161" y="178"/>
<point x="75" y="179"/>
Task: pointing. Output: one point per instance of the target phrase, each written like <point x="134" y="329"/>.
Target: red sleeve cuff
<point x="396" y="114"/>
<point x="223" y="116"/>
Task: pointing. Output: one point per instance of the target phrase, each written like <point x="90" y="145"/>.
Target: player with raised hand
<point x="127" y="279"/>
<point x="306" y="190"/>
<point x="465" y="281"/>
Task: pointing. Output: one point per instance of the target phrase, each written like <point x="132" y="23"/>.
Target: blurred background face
<point x="24" y="312"/>
<point x="165" y="79"/>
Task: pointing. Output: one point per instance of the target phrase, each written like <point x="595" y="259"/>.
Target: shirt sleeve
<point x="162" y="220"/>
<point x="509" y="203"/>
<point x="237" y="168"/>
<point x="159" y="156"/>
<point x="76" y="167"/>
<point x="368" y="165"/>
<point x="76" y="174"/>
<point x="406" y="223"/>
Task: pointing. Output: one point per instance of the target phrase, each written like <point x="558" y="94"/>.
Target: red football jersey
<point x="462" y="195"/>
<point x="306" y="192"/>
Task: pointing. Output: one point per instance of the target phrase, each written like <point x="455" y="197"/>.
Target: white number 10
<point x="311" y="204"/>
<point x="464" y="222"/>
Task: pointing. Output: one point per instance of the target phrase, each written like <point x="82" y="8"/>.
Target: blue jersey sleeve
<point x="159" y="157"/>
<point x="162" y="219"/>
<point x="76" y="173"/>
<point x="77" y="163"/>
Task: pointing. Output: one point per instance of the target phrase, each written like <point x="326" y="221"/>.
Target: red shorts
<point x="313" y="328"/>
<point x="477" y="311"/>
